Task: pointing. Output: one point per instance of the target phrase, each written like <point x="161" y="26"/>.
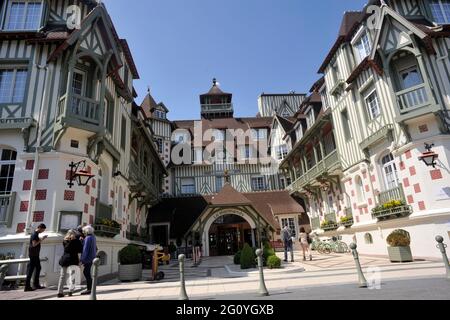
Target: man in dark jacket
<point x="286" y="237"/>
<point x="35" y="261"/>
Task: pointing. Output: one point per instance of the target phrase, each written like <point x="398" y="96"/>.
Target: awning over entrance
<point x="242" y="217"/>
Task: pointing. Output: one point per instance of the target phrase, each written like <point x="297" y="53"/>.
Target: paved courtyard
<point x="326" y="277"/>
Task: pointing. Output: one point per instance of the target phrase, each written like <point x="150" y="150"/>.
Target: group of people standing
<point x="80" y="249"/>
<point x="288" y="241"/>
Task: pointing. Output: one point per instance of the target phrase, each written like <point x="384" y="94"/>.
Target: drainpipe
<point x="31" y="202"/>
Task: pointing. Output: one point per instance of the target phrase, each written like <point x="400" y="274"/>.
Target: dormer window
<point x="440" y="9"/>
<point x="323" y="95"/>
<point x="23" y="15"/>
<point x="259" y="134"/>
<point x="160" y="114"/>
<point x="363" y="47"/>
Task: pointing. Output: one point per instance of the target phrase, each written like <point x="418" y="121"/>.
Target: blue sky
<point x="251" y="46"/>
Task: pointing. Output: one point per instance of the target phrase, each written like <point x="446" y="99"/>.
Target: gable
<point x="395" y="32"/>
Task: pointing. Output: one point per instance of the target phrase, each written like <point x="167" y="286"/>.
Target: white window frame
<point x="369" y="107"/>
<point x="310" y="117"/>
<point x="260" y="184"/>
<point x="7" y="15"/>
<point x="187" y="185"/>
<point x="281" y="151"/>
<point x="366" y="46"/>
<point x="259" y="134"/>
<point x="360" y="192"/>
<point x="445" y="14"/>
<point x="13" y="84"/>
<point x="391" y="165"/>
<point x="8" y="163"/>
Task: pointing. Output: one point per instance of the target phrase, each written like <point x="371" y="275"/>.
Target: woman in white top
<point x="305" y="244"/>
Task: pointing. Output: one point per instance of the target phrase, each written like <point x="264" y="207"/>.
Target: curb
<point x="256" y="273"/>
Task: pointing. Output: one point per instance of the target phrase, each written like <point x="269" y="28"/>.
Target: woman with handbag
<point x="72" y="247"/>
<point x="305" y="242"/>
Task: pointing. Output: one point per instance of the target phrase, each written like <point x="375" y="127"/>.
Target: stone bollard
<point x="361" y="279"/>
<point x="262" y="286"/>
<point x="183" y="294"/>
<point x="95" y="265"/>
<point x="3" y="272"/>
<point x="442" y="246"/>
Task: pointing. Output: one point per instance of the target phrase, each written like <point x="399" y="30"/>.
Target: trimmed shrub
<point x="248" y="257"/>
<point x="398" y="238"/>
<point x="130" y="255"/>
<point x="267" y="252"/>
<point x="273" y="262"/>
<point x="237" y="257"/>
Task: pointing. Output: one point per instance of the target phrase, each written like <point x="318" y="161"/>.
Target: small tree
<point x="247" y="257"/>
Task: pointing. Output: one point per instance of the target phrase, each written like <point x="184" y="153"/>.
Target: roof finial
<point x="214" y="82"/>
<point x="148" y="89"/>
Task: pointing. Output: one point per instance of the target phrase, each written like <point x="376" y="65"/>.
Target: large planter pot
<point x="400" y="254"/>
<point x="132" y="272"/>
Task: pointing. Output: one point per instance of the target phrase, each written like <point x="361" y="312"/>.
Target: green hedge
<point x="130" y="255"/>
<point x="267" y="252"/>
<point x="248" y="257"/>
<point x="237" y="257"/>
<point x="273" y="262"/>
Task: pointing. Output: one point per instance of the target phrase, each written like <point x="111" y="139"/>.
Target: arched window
<point x="7" y="167"/>
<point x="389" y="171"/>
<point x="368" y="238"/>
<point x="360" y="190"/>
<point x="103" y="258"/>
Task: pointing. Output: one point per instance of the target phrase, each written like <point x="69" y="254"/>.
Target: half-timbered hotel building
<point x="222" y="204"/>
<point x="66" y="96"/>
<point x="386" y="93"/>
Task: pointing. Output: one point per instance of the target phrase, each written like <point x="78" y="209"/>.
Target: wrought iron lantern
<point x="79" y="174"/>
<point x="429" y="157"/>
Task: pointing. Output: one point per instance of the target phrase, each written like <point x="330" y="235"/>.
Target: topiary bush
<point x="130" y="255"/>
<point x="237" y="257"/>
<point x="398" y="238"/>
<point x="273" y="262"/>
<point x="248" y="257"/>
<point x="267" y="252"/>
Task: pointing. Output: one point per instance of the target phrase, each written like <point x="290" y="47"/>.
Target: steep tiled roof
<point x="286" y="123"/>
<point x="229" y="196"/>
<point x="350" y="22"/>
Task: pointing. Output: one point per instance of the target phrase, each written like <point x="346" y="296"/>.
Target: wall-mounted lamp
<point x="80" y="175"/>
<point x="429" y="157"/>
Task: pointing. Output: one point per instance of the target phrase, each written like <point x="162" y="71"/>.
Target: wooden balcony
<point x="222" y="107"/>
<point x="329" y="163"/>
<point x="142" y="182"/>
<point x="7" y="209"/>
<point x="415" y="101"/>
<point x="80" y="112"/>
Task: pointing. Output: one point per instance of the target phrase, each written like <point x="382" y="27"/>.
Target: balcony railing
<point x="322" y="167"/>
<point x="413" y="98"/>
<point x="6" y="208"/>
<point x="104" y="211"/>
<point x="391" y="195"/>
<point x="217" y="107"/>
<point x="81" y="108"/>
<point x="105" y="231"/>
<point x="397" y="212"/>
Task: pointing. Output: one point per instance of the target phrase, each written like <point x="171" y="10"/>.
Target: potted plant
<point x="130" y="267"/>
<point x="399" y="246"/>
